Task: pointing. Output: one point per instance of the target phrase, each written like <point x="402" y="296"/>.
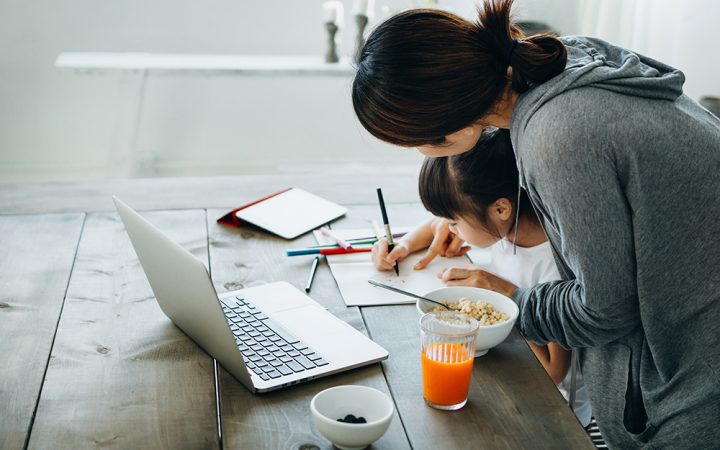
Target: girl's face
<point x="472" y="233"/>
<point x="498" y="224"/>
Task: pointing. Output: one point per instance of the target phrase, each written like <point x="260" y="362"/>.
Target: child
<point x="476" y="194"/>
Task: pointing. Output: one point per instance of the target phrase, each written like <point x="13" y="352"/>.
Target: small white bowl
<point x="488" y="335"/>
<point x="335" y="403"/>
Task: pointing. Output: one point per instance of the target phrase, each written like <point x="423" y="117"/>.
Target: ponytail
<point x="534" y="59"/>
<point x="425" y="73"/>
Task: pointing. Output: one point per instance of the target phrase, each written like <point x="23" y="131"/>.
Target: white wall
<point x="57" y="125"/>
<point x="680" y="33"/>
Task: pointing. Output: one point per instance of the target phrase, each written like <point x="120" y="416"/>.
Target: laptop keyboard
<point x="267" y="347"/>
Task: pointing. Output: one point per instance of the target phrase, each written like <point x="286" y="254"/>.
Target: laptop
<point x="268" y="337"/>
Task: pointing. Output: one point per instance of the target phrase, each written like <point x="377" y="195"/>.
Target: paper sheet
<point x="353" y="271"/>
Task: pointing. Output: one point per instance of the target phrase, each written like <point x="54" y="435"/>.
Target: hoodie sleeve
<point x="573" y="180"/>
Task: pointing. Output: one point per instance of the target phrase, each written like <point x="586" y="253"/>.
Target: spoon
<point x="409" y="294"/>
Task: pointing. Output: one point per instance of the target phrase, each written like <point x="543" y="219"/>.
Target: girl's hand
<point x="445" y="243"/>
<point x="382" y="260"/>
<point x="476" y="277"/>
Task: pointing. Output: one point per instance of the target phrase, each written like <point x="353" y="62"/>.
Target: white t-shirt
<point x="527" y="267"/>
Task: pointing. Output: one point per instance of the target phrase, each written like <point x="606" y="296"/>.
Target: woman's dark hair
<point x="465" y="185"/>
<point x="427" y="73"/>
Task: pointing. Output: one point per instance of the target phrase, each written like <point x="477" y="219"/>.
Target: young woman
<point x="477" y="193"/>
<point x="623" y="171"/>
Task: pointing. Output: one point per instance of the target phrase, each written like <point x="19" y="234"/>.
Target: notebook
<point x="288" y="213"/>
<point x="352" y="272"/>
<point x="268" y="336"/>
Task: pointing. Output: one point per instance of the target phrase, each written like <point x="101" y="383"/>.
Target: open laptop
<point x="268" y="336"/>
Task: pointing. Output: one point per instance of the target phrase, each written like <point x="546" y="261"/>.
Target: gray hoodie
<point x="624" y="173"/>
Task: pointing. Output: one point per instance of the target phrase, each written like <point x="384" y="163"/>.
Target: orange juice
<point x="446" y="370"/>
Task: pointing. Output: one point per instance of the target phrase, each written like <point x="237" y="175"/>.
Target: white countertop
<point x="204" y="63"/>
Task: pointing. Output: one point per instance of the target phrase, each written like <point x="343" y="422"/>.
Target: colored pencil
<point x="376" y="229"/>
<point x="325" y="251"/>
<point x="342" y="251"/>
<point x="365" y="242"/>
<point x="327" y="233"/>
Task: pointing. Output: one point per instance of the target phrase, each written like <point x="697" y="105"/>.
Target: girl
<point x="476" y="192"/>
<point x="621" y="168"/>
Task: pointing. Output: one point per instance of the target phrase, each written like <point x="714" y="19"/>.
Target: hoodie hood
<point x="594" y="62"/>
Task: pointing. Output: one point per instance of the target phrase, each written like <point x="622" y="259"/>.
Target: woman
<point x="476" y="193"/>
<point x="623" y="171"/>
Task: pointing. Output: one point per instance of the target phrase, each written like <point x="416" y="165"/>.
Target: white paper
<point x="352" y="272"/>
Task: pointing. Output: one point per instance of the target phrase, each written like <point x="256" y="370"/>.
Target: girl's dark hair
<point x="465" y="185"/>
<point x="427" y="73"/>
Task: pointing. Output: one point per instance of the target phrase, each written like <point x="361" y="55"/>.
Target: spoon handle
<point x="409" y="294"/>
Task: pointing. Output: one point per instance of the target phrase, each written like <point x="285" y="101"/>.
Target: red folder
<point x="232" y="220"/>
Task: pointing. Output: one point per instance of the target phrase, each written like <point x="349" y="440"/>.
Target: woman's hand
<point x="476" y="277"/>
<point x="444" y="243"/>
<point x="382" y="260"/>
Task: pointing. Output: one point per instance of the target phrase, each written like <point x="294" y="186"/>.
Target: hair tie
<point x="513" y="44"/>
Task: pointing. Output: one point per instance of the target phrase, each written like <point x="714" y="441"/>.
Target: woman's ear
<point x="502" y="209"/>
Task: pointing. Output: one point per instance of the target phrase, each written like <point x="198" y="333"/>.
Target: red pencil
<point x="342" y="251"/>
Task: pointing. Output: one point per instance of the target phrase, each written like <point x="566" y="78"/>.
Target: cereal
<point x="481" y="311"/>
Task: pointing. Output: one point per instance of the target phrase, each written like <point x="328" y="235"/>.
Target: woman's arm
<point x="572" y="177"/>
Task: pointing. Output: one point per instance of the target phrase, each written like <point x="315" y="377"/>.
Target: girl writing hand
<point x="433" y="234"/>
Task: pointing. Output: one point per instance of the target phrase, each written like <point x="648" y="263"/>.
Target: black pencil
<point x="388" y="233"/>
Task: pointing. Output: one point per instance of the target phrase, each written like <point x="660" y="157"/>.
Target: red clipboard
<point x="232" y="220"/>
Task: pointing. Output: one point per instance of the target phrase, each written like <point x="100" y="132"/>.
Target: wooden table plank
<point x="35" y="264"/>
<point x="281" y="419"/>
<point x="512" y="401"/>
<point x="121" y="374"/>
<point x="345" y="184"/>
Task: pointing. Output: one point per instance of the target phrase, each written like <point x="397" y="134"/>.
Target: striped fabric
<point x="594" y="432"/>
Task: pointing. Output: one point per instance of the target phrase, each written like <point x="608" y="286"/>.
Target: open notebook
<point x="352" y="272"/>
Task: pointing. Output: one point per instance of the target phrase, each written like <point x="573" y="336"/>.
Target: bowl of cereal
<point x="495" y="312"/>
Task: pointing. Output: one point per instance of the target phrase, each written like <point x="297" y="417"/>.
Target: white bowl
<point x="488" y="335"/>
<point x="334" y="403"/>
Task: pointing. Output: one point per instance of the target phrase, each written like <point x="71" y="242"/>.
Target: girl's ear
<point x="502" y="209"/>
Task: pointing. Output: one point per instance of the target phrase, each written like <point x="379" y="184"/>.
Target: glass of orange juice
<point x="448" y="351"/>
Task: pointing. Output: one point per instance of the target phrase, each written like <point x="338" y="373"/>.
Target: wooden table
<point x="90" y="361"/>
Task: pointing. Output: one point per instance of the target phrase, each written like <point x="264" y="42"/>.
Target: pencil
<point x="388" y="233"/>
<point x="325" y="251"/>
<point x="359" y="242"/>
<point x="342" y="251"/>
<point x="312" y="274"/>
<point x="376" y="229"/>
<point x="326" y="232"/>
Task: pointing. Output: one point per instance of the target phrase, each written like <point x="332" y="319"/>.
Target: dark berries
<point x="352" y="419"/>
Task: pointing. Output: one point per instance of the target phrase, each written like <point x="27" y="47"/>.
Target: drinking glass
<point x="448" y="351"/>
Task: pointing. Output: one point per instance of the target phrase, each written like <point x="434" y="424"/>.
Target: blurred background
<point x="64" y="124"/>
